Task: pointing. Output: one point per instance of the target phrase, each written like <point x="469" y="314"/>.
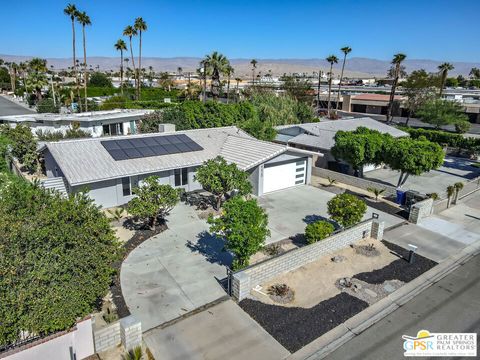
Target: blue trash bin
<point x="401" y="196"/>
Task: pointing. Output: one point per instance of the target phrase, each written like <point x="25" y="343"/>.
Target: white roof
<point x="86" y="160"/>
<point x="321" y="134"/>
<point x="84" y="117"/>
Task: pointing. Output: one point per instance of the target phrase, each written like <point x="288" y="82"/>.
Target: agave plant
<point x="134" y="354"/>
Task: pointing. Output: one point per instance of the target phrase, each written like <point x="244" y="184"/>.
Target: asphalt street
<point x="8" y="107"/>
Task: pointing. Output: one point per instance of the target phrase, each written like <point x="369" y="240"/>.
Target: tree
<point x="36" y="77"/>
<point x="346" y="50"/>
<point x="130" y="31"/>
<point x="298" y="88"/>
<point x="318" y="230"/>
<point x="397" y="62"/>
<point x="56" y="262"/>
<point x="440" y="112"/>
<point x="23" y="143"/>
<point x="346" y="209"/>
<point x="220" y="178"/>
<point x="71" y="11"/>
<point x="375" y="191"/>
<point x="332" y="59"/>
<point x="215" y="64"/>
<point x="450" y="191"/>
<point x="149" y="122"/>
<point x="140" y="26"/>
<point x="84" y="20"/>
<point x="254" y="63"/>
<point x="229" y="71"/>
<point x="458" y="187"/>
<point x="99" y="79"/>
<point x="474" y="73"/>
<point x="121" y="46"/>
<point x="413" y="157"/>
<point x="47" y="106"/>
<point x="153" y="200"/>
<point x="244" y="225"/>
<point x="417" y="89"/>
<point x="444" y="69"/>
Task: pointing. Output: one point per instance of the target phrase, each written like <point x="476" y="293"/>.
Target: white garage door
<point x="285" y="175"/>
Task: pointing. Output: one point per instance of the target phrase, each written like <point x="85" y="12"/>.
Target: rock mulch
<point x="140" y="235"/>
<point x="399" y="269"/>
<point x="370" y="293"/>
<point x="295" y="327"/>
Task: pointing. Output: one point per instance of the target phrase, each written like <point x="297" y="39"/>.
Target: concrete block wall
<point x="107" y="337"/>
<point x="354" y="181"/>
<point x="130" y="332"/>
<point x="420" y="210"/>
<point x="243" y="281"/>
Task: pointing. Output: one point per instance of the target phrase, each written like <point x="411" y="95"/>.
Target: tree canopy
<point x="221" y="178"/>
<point x="99" y="79"/>
<point x="23" y="143"/>
<point x="440" y="112"/>
<point x="346" y="209"/>
<point x="244" y="225"/>
<point x="56" y="257"/>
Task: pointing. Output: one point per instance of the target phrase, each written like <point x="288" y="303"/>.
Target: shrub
<point x="462" y="127"/>
<point x="100" y="79"/>
<point x="115" y="102"/>
<point x="318" y="230"/>
<point x="47" y="106"/>
<point x="346" y="209"/>
<point x="444" y="138"/>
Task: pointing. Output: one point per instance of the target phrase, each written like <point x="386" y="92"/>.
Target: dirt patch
<point x="282" y="246"/>
<point x="315" y="281"/>
<point x="296" y="327"/>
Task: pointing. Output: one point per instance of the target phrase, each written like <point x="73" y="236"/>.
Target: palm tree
<point x="215" y="64"/>
<point x="450" y="192"/>
<point x="37" y="79"/>
<point x="13" y="75"/>
<point x="238" y="80"/>
<point x="140" y="26"/>
<point x="397" y="62"/>
<point x="130" y="31"/>
<point x="179" y="70"/>
<point x="346" y="50"/>
<point x="444" y="69"/>
<point x="121" y="46"/>
<point x="332" y="59"/>
<point x="23" y="66"/>
<point x="376" y="192"/>
<point x="229" y="72"/>
<point x="71" y="11"/>
<point x="84" y="20"/>
<point x="458" y="187"/>
<point x="254" y="66"/>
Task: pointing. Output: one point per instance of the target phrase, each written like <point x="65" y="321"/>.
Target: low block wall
<point x="420" y="210"/>
<point x="243" y="281"/>
<point x="126" y="331"/>
<point x="353" y="181"/>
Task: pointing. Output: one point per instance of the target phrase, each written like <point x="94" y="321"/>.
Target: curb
<point x="332" y="340"/>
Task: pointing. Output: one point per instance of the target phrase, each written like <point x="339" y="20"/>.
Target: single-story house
<point x="110" y="167"/>
<point x="97" y="123"/>
<point x="319" y="138"/>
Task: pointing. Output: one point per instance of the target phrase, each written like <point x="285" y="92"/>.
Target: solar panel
<point x="135" y="148"/>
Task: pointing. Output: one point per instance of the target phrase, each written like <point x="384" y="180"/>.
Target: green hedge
<point x="147" y="93"/>
<point x="444" y="138"/>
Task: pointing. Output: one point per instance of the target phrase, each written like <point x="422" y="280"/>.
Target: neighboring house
<point x="319" y="138"/>
<point x="111" y="167"/>
<point x="97" y="123"/>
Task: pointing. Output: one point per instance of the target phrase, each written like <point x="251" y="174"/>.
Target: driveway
<point x="8" y="107"/>
<point x="223" y="331"/>
<point x="290" y="210"/>
<point x="453" y="170"/>
<point x="174" y="272"/>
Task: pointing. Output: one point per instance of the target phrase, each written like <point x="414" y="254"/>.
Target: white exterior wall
<point x="79" y="341"/>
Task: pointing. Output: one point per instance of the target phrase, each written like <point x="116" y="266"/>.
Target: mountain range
<point x="356" y="67"/>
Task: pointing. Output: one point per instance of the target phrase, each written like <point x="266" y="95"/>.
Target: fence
<point x="243" y="281"/>
<point x="354" y="181"/>
<point x="126" y="331"/>
<point x="76" y="343"/>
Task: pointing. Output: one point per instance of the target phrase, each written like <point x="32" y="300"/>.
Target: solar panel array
<point x="136" y="148"/>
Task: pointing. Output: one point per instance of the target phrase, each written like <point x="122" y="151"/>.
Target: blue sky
<point x="422" y="29"/>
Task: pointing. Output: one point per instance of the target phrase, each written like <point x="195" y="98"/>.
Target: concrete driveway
<point x="223" y="331"/>
<point x="290" y="210"/>
<point x="174" y="272"/>
<point x="453" y="170"/>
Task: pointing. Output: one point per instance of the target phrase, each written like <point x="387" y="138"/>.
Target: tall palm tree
<point x="444" y="69"/>
<point x="140" y="26"/>
<point x="254" y="66"/>
<point x="13" y="75"/>
<point x="37" y="79"/>
<point x="450" y="193"/>
<point x="130" y="31"/>
<point x="229" y="72"/>
<point x="346" y="50"/>
<point x="84" y="20"/>
<point x="71" y="11"/>
<point x="332" y="59"/>
<point x="397" y="63"/>
<point x="23" y="66"/>
<point x="121" y="46"/>
<point x="215" y="64"/>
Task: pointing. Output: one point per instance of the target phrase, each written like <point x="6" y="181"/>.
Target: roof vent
<point x="163" y="128"/>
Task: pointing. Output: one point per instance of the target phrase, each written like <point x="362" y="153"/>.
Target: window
<point x="181" y="177"/>
<point x="126" y="186"/>
<point x="113" y="129"/>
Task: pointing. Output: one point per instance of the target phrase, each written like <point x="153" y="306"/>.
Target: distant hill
<point x="356" y="67"/>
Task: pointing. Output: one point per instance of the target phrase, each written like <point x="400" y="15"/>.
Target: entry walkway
<point x="174" y="272"/>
